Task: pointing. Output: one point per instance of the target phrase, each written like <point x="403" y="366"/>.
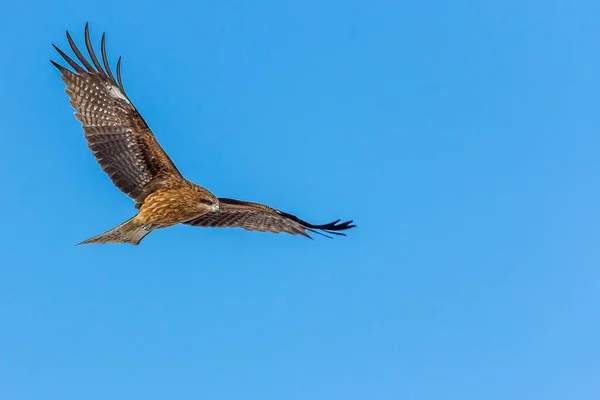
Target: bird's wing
<point x="120" y="139"/>
<point x="259" y="217"/>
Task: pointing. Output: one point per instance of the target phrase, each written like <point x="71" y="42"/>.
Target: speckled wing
<point x="259" y="217"/>
<point x="120" y="139"/>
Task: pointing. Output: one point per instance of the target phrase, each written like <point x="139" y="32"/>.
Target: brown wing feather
<point x="120" y="139"/>
<point x="259" y="217"/>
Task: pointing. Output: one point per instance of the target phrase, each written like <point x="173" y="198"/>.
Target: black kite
<point x="128" y="152"/>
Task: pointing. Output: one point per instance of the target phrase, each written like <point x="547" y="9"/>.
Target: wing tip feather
<point x="96" y="66"/>
<point x="331" y="228"/>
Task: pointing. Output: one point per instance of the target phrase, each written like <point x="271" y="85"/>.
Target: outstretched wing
<point x="258" y="217"/>
<point x="120" y="139"/>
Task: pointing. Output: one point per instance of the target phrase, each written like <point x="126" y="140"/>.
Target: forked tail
<point x="130" y="231"/>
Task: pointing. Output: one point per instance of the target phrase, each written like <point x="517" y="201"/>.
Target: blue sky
<point x="462" y="137"/>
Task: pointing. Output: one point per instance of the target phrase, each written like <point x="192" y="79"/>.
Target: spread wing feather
<point x="259" y="217"/>
<point x="120" y="139"/>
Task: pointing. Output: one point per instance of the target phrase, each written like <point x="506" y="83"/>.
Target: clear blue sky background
<point x="462" y="137"/>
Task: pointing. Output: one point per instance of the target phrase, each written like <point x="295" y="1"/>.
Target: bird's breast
<point x="168" y="207"/>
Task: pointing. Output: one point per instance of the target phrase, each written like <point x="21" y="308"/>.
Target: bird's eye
<point x="207" y="202"/>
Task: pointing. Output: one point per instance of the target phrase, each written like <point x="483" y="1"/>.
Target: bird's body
<point x="182" y="202"/>
<point x="129" y="153"/>
<point x="174" y="205"/>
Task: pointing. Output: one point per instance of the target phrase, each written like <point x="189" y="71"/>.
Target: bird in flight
<point x="128" y="152"/>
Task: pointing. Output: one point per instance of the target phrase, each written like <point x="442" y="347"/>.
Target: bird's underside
<point x="129" y="153"/>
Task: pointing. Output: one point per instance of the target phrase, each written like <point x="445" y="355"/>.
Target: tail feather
<point x="129" y="231"/>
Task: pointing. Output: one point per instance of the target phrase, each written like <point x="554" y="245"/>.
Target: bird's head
<point x="208" y="201"/>
<point x="211" y="203"/>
